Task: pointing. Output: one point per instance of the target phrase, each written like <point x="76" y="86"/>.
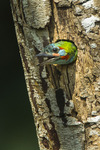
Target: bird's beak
<point x="44" y="55"/>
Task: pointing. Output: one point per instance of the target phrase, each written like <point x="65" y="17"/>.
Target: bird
<point x="60" y="53"/>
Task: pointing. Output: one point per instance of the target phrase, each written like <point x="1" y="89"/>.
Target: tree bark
<point x="65" y="100"/>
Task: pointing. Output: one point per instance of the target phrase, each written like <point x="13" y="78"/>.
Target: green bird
<point x="61" y="52"/>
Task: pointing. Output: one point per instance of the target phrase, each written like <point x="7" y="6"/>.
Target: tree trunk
<point x="65" y="99"/>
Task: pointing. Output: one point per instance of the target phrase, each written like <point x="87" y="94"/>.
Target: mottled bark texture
<point x="65" y="100"/>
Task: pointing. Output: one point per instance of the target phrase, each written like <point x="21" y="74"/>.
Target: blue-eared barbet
<point x="61" y="52"/>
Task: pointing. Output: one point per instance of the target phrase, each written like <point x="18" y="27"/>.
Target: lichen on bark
<point x="37" y="13"/>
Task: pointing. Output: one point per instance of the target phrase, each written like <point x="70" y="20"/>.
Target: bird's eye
<point x="55" y="49"/>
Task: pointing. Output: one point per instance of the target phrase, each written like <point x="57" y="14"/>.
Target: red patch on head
<point x="65" y="57"/>
<point x="61" y="48"/>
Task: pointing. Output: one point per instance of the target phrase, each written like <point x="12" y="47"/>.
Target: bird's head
<point x="51" y="51"/>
